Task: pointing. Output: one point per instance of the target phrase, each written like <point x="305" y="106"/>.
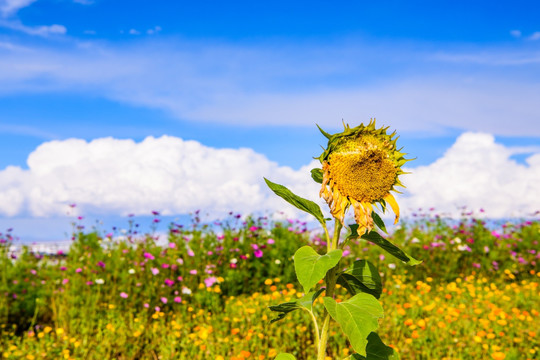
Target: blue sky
<point x="449" y="77"/>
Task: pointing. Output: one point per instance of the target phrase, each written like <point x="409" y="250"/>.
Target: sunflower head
<point x="361" y="166"/>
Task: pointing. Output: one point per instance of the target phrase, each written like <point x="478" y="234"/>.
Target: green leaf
<point x="283" y="309"/>
<point x="375" y="238"/>
<point x="363" y="276"/>
<point x="317" y="175"/>
<point x="310" y="267"/>
<point x="297" y="201"/>
<point x="305" y="302"/>
<point x="284" y="356"/>
<point x="376" y="350"/>
<point x="358" y="317"/>
<point x="378" y="221"/>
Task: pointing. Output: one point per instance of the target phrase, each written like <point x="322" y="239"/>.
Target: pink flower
<point x="165" y="266"/>
<point x="149" y="256"/>
<point x="123" y="295"/>
<point x="78" y="270"/>
<point x="157" y="308"/>
<point x="270" y="241"/>
<point x="155" y="271"/>
<point x="164" y="300"/>
<point x="177" y="299"/>
<point x="169" y="282"/>
<point x="258" y="253"/>
<point x="210" y="281"/>
<point x="190" y="253"/>
<point x="193" y="272"/>
<point x="65" y="281"/>
<point x="172" y="245"/>
<point x="476" y="265"/>
<point x="146" y="305"/>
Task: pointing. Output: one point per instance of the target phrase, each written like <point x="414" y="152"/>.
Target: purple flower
<point x="476" y="265"/>
<point x="177" y="299"/>
<point x="169" y="282"/>
<point x="258" y="253"/>
<point x="165" y="266"/>
<point x="101" y="264"/>
<point x="149" y="256"/>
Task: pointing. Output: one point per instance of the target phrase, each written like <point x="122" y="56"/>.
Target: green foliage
<point x="363" y="276"/>
<point x="375" y="238"/>
<point x="305" y="302"/>
<point x="357" y="316"/>
<point x="303" y="204"/>
<point x="311" y="267"/>
<point x="284" y="356"/>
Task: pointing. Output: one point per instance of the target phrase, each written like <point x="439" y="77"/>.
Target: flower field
<point x="205" y="293"/>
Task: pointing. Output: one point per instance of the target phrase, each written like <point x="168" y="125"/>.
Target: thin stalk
<point x="330" y="287"/>
<point x="317" y="336"/>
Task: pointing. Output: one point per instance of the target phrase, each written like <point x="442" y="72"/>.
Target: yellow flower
<point x="360" y="166"/>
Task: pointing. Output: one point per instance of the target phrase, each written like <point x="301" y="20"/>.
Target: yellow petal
<point x="393" y="203"/>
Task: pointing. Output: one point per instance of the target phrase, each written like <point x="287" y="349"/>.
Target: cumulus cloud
<point x="478" y="173"/>
<point x="167" y="174"/>
<point x="174" y="176"/>
<point x="515" y="33"/>
<point x="535" y="36"/>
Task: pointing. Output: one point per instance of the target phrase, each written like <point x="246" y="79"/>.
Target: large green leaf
<point x="376" y="350"/>
<point x="375" y="238"/>
<point x="305" y="302"/>
<point x="358" y="317"/>
<point x="310" y="267"/>
<point x="363" y="276"/>
<point x="297" y="201"/>
<point x="317" y="175"/>
<point x="284" y="356"/>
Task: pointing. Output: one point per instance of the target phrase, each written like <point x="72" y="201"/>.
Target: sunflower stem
<point x="330" y="287"/>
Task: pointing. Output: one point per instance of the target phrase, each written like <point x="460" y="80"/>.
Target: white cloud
<point x="10" y="7"/>
<point x="515" y="33"/>
<point x="295" y="85"/>
<point x="44" y="30"/>
<point x="535" y="36"/>
<point x="134" y="32"/>
<point x="168" y="174"/>
<point x="478" y="173"/>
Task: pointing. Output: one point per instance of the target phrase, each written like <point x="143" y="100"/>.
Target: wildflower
<point x="101" y="264"/>
<point x="100" y="281"/>
<point x="169" y="282"/>
<point x="78" y="270"/>
<point x="193" y="272"/>
<point x="258" y="253"/>
<point x="177" y="299"/>
<point x="360" y="167"/>
<point x="270" y="241"/>
<point x="131" y="271"/>
<point x="164" y="300"/>
<point x="155" y="271"/>
<point x="186" y="291"/>
<point x="123" y="295"/>
<point x="210" y="281"/>
<point x="148" y="256"/>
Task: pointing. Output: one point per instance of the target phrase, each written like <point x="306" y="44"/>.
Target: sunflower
<point x="360" y="167"/>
